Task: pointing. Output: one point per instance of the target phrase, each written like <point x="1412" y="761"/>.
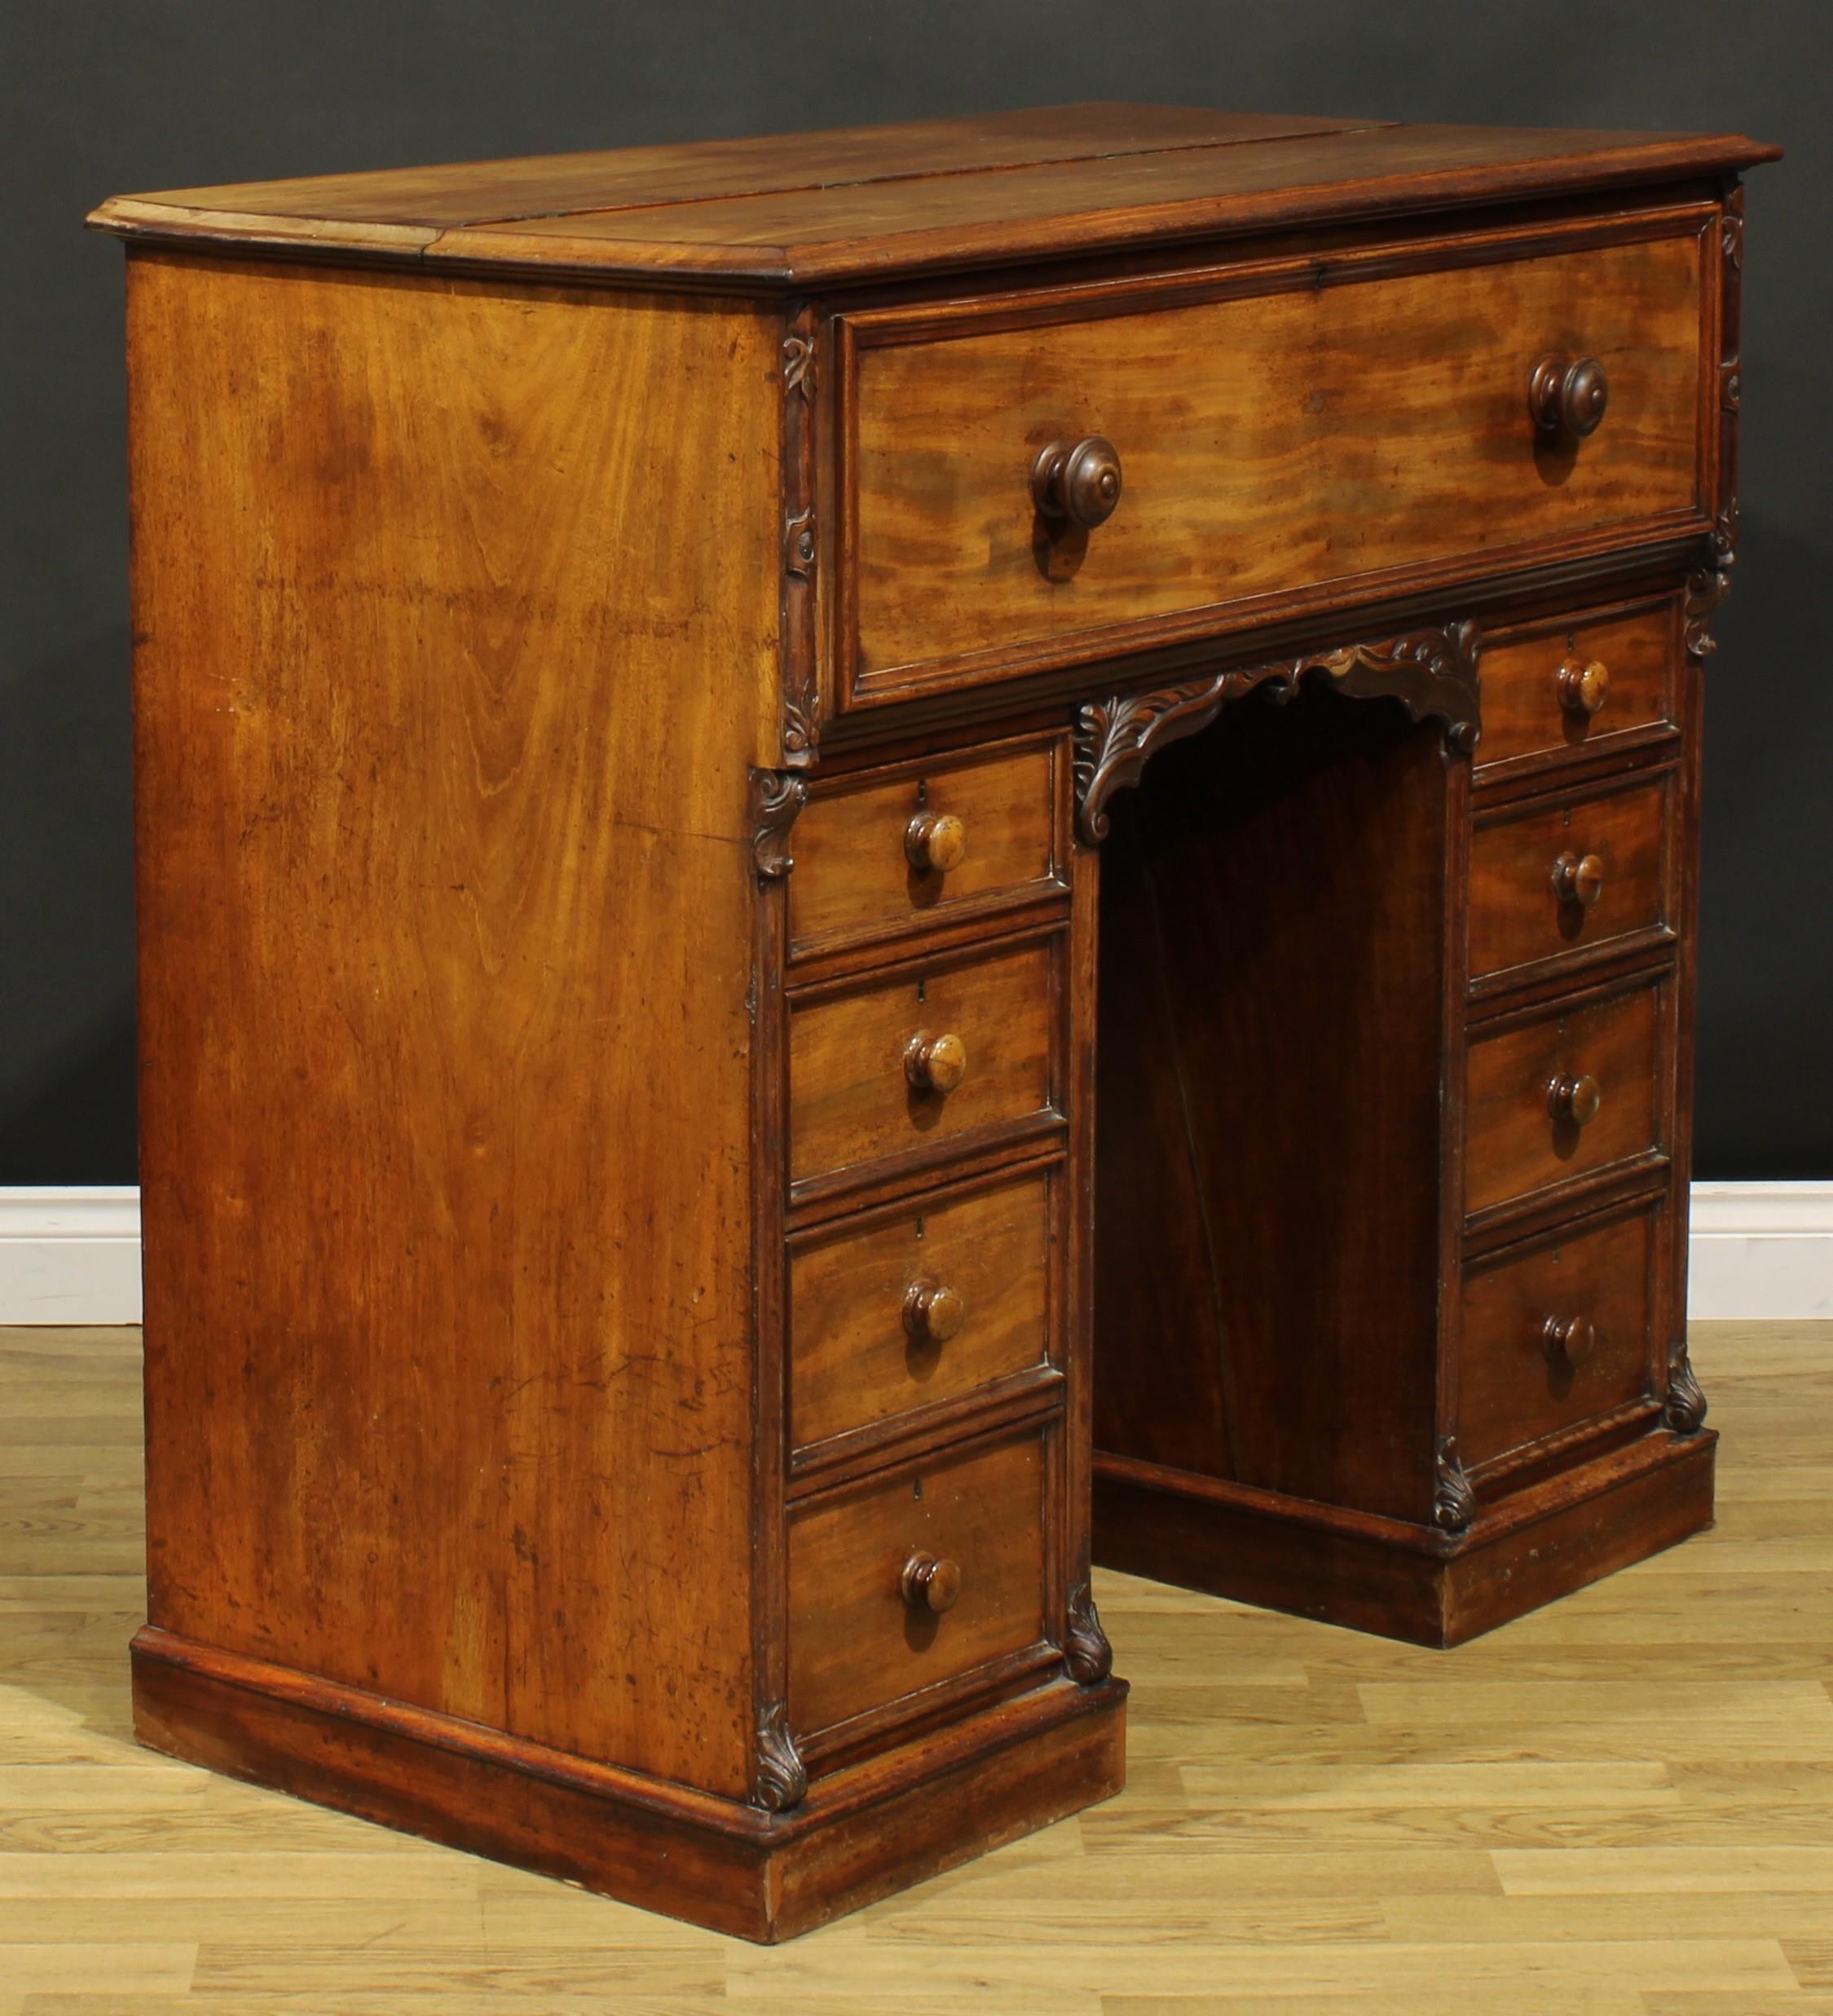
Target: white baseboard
<point x="1759" y="1251"/>
<point x="70" y="1255"/>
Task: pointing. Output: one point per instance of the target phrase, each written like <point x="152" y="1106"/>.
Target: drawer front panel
<point x="1267" y="444"/>
<point x="851" y="1097"/>
<point x="866" y="1307"/>
<point x="856" y="1640"/>
<point x="1518" y="1142"/>
<point x="1571" y="876"/>
<point x="1555" y="1335"/>
<point x="1543" y="694"/>
<point x="866" y="852"/>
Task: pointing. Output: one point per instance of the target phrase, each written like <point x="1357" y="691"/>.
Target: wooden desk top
<point x="868" y="203"/>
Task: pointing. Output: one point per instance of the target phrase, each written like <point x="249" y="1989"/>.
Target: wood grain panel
<point x="853" y="874"/>
<point x="854" y="1642"/>
<point x="462" y="192"/>
<point x="887" y="230"/>
<point x="1521" y="712"/>
<point x="852" y="1361"/>
<point x="1512" y="1393"/>
<point x="880" y="201"/>
<point x="1515" y="1146"/>
<point x="445" y="893"/>
<point x="850" y="1100"/>
<point x="1517" y="916"/>
<point x="1286" y="439"/>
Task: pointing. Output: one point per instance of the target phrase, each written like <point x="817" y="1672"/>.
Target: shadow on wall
<point x="67" y="1094"/>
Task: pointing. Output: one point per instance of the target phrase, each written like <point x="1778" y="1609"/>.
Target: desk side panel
<point x="455" y="613"/>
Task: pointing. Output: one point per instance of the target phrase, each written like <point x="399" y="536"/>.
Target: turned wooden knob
<point x="1578" y="879"/>
<point x="1567" y="396"/>
<point x="1576" y="1099"/>
<point x="930" y="1585"/>
<point x="1583" y="688"/>
<point x="1568" y="1339"/>
<point x="935" y="1064"/>
<point x="932" y="1313"/>
<point x="1078" y="480"/>
<point x="936" y="842"/>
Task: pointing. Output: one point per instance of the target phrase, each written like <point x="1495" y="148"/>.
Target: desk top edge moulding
<point x="789" y="989"/>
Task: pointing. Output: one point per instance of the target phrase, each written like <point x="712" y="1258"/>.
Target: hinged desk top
<point x="868" y="203"/>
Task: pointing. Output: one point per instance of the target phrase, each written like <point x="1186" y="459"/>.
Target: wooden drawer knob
<point x="1576" y="1099"/>
<point x="935" y="1064"/>
<point x="1078" y="480"/>
<point x="1583" y="688"/>
<point x="1568" y="1339"/>
<point x="1578" y="879"/>
<point x="1567" y="396"/>
<point x="932" y="1313"/>
<point x="930" y="1585"/>
<point x="936" y="842"/>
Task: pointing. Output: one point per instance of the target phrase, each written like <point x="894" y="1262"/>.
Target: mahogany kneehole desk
<point x="851" y="847"/>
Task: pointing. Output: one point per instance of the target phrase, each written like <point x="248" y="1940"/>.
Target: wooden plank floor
<point x="1623" y="1804"/>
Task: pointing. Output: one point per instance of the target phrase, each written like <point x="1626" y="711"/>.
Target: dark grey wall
<point x="97" y="96"/>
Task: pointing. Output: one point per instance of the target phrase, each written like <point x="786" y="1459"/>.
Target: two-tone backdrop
<point x="97" y="96"/>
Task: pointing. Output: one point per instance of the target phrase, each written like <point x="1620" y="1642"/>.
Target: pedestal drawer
<point x="925" y="1304"/>
<point x="1569" y="686"/>
<point x="1554" y="1334"/>
<point x="882" y="1066"/>
<point x="916" y="1575"/>
<point x="1568" y="1092"/>
<point x="924" y="841"/>
<point x="1574" y="875"/>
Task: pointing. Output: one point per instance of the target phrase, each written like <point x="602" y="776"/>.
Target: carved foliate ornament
<point x="783" y="1779"/>
<point x="1684" y="1410"/>
<point x="799" y="365"/>
<point x="1432" y="673"/>
<point x="777" y="796"/>
<point x="1454" y="1503"/>
<point x="1087" y="1656"/>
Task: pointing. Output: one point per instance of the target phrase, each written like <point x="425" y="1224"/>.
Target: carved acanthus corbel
<point x="1087" y="1656"/>
<point x="1454" y="1503"/>
<point x="1684" y="1409"/>
<point x="783" y="1779"/>
<point x="777" y="796"/>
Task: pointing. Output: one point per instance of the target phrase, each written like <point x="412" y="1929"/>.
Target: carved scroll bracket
<point x="783" y="1779"/>
<point x="1087" y="1656"/>
<point x="777" y="796"/>
<point x="1432" y="673"/>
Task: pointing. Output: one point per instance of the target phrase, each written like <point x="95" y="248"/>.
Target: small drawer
<point x="895" y="847"/>
<point x="965" y="1530"/>
<point x="886" y="1066"/>
<point x="1574" y="875"/>
<point x="1555" y="1334"/>
<point x="928" y="1305"/>
<point x="1571" y="1091"/>
<point x="1571" y="685"/>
